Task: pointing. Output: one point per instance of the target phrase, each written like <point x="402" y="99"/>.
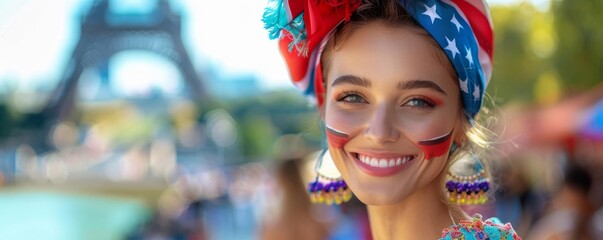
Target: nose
<point x="381" y="127"/>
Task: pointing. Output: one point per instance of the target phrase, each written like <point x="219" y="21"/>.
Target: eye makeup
<point x="351" y="97"/>
<point x="435" y="147"/>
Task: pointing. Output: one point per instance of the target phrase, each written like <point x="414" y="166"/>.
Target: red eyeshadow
<point x="436" y="101"/>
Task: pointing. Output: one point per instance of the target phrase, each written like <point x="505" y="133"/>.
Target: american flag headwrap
<point x="462" y="28"/>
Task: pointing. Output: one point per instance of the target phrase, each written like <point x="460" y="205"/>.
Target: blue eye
<point x="419" y="103"/>
<point x="351" y="97"/>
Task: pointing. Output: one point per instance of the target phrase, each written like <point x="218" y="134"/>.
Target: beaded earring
<point x="467" y="182"/>
<point x="328" y="187"/>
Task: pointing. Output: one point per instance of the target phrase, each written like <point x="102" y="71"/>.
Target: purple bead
<point x="459" y="187"/>
<point x="469" y="189"/>
<point x="484" y="186"/>
<point x="344" y="185"/>
<point x="476" y="187"/>
<point x="450" y="186"/>
<point x="312" y="186"/>
<point x="318" y="187"/>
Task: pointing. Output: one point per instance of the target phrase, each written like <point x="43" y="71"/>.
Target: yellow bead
<point x="347" y="195"/>
<point x="329" y="199"/>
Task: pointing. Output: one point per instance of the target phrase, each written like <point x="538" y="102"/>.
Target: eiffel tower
<point x="104" y="34"/>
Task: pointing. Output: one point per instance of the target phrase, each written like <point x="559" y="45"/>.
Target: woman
<point x="399" y="85"/>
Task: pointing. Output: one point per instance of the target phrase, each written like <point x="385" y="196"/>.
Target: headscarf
<point x="462" y="28"/>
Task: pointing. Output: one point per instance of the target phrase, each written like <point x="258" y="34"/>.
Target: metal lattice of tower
<point x="104" y="34"/>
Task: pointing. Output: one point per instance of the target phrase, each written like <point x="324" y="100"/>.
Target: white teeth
<point x="384" y="163"/>
<point x="362" y="158"/>
<point x="374" y="162"/>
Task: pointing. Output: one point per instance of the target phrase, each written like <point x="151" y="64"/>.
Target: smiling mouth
<point x="384" y="162"/>
<point x="383" y="165"/>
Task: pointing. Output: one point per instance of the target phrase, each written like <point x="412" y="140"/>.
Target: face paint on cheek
<point x="436" y="147"/>
<point x="336" y="138"/>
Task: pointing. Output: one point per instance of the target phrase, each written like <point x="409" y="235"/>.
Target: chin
<point x="383" y="199"/>
<point x="379" y="195"/>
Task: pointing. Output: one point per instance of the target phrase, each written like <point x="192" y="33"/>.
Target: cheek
<point x="336" y="138"/>
<point x="432" y="135"/>
<point x="340" y="125"/>
<point x="436" y="147"/>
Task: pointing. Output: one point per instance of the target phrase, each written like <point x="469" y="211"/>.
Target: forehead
<point x="379" y="51"/>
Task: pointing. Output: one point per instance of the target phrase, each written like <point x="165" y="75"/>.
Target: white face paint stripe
<point x="338" y="132"/>
<point x="436" y="138"/>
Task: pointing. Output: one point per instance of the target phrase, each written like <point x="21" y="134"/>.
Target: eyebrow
<point x="415" y="84"/>
<point x="351" y="79"/>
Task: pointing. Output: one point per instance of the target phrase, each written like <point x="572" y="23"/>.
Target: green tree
<point x="579" y="56"/>
<point x="265" y="118"/>
<point x="524" y="41"/>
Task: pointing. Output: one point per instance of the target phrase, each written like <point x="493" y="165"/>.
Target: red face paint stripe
<point x="436" y="147"/>
<point x="336" y="138"/>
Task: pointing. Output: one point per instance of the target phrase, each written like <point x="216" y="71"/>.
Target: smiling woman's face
<point x="392" y="110"/>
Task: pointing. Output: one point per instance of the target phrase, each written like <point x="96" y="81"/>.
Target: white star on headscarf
<point x="431" y="12"/>
<point x="456" y="23"/>
<point x="476" y="93"/>
<point x="464" y="85"/>
<point x="469" y="57"/>
<point x="452" y="47"/>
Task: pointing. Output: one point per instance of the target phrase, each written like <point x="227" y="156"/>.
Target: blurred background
<point x="175" y="119"/>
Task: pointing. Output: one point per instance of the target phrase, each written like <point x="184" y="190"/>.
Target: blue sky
<point x="36" y="38"/>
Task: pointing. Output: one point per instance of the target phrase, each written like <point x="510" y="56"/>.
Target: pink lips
<point x="382" y="165"/>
